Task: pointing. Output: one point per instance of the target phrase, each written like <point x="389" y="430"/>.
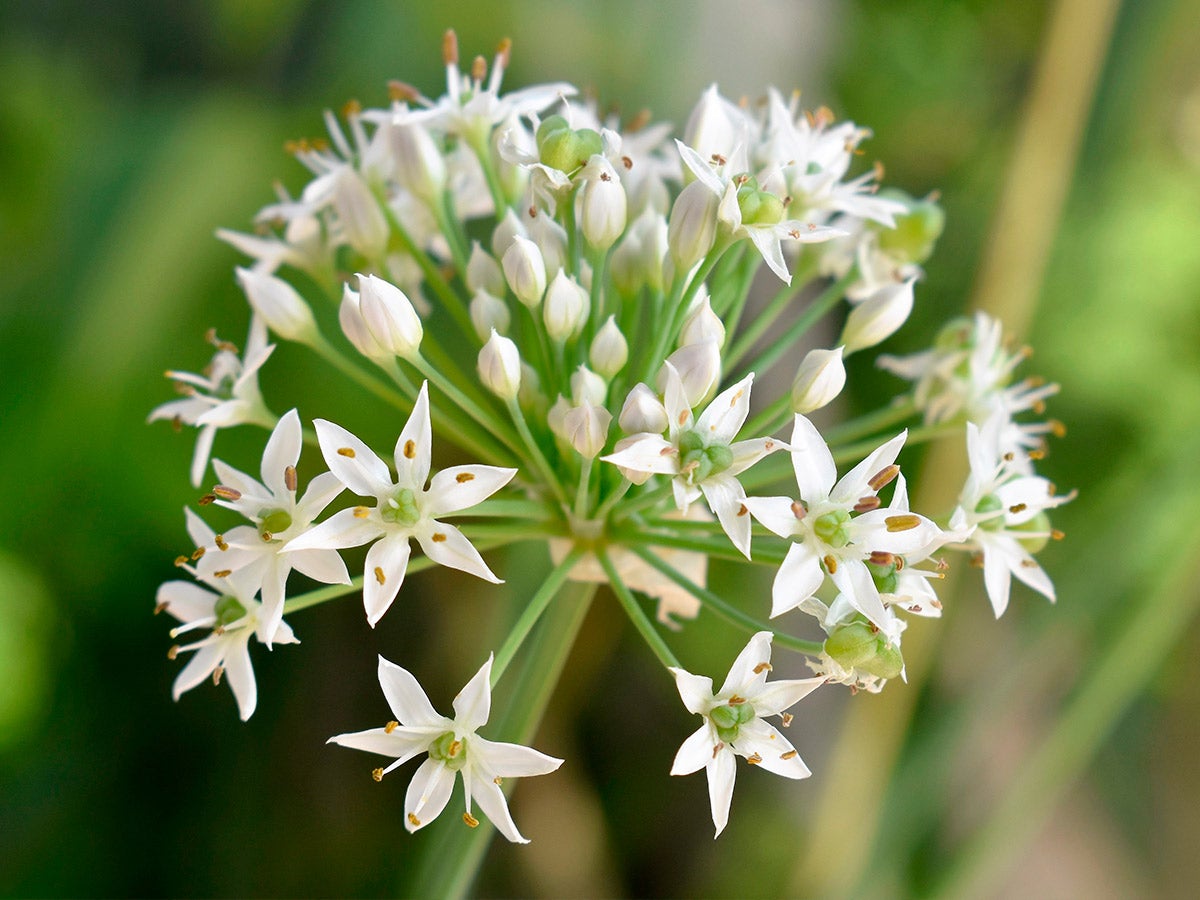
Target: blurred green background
<point x="1052" y="754"/>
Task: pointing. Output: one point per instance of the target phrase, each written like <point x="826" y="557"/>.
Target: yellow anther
<point x="159" y="607"/>
<point x="798" y="509"/>
<point x="1057" y="535"/>
<point x="348" y="452"/>
<point x="351" y="108"/>
<point x="830" y="563"/>
<point x="762" y="667"/>
<point x="438" y="537"/>
<point x="503" y="52"/>
<point x="754" y="759"/>
<point x="219" y="540"/>
<point x="377" y="774"/>
<point x="497" y="780"/>
<point x="266" y="536"/>
<point x="172" y="651"/>
<point x="224" y="573"/>
<point x="1017" y="508"/>
<point x="289" y="478"/>
<point x="883" y="477"/>
<point x="735" y="700"/>
<point x="217" y="673"/>
<point x="787" y="720"/>
<point x="470" y="821"/>
<point x="197" y="553"/>
<point x="717" y="748"/>
<point x="450" y="47"/>
<point x="742" y="510"/>
<point x="227" y="493"/>
<point x="478" y="68"/>
<point x="181" y="560"/>
<point x="902" y="523"/>
<point x="379" y="576"/>
<point x="410" y="449"/>
<point x="207" y="499"/>
<point x="361" y="512"/>
<point x="399" y="91"/>
<point x="683" y="416"/>
<point x="464" y="477"/>
<point x="791" y="754"/>
<point x="391" y="726"/>
<point x="866" y="504"/>
<point x="414" y="821"/>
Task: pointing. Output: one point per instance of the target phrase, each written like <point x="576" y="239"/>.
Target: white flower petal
<point x="387" y="561"/>
<point x="473" y="703"/>
<point x="721" y="775"/>
<point x="747" y="453"/>
<point x="797" y="579"/>
<point x="853" y="579"/>
<point x="282" y="451"/>
<point x="461" y="487"/>
<point x="204" y="444"/>
<point x="491" y="800"/>
<point x="325" y="566"/>
<point x="414" y="446"/>
<point x="694" y="690"/>
<point x="695" y="752"/>
<point x="776" y="696"/>
<point x="199" y="667"/>
<point x="512" y="760"/>
<point x="757" y="737"/>
<point x="775" y="513"/>
<point x="997" y="577"/>
<point x="342" y="529"/>
<point x="240" y="675"/>
<point x="812" y="461"/>
<point x="402" y="744"/>
<point x="853" y="485"/>
<point x="448" y="546"/>
<point x="766" y="241"/>
<point x="354" y="463"/>
<point x="727" y="412"/>
<point x="646" y="453"/>
<point x="742" y="678"/>
<point x="725" y="495"/>
<point x="406" y="698"/>
<point x="320" y="493"/>
<point x="428" y="793"/>
<point x="186" y="601"/>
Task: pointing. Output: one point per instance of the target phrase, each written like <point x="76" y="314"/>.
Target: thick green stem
<point x="454" y="854"/>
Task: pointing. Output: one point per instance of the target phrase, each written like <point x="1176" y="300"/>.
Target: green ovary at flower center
<point x="228" y="610"/>
<point x="987" y="507"/>
<point x="401" y="509"/>
<point x="729" y="718"/>
<point x="831" y="528"/>
<point x="275" y="521"/>
<point x="758" y="207"/>
<point x="697" y="462"/>
<point x="885" y="577"/>
<point x="449" y="750"/>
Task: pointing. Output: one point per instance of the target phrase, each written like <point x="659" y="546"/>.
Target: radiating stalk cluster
<point x="577" y="305"/>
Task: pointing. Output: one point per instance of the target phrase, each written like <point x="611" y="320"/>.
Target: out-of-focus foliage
<point x="129" y="131"/>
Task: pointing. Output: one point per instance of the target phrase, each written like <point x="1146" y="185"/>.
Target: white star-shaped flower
<point x="256" y="552"/>
<point x="226" y="394"/>
<point x="838" y="526"/>
<point x="734" y="724"/>
<point x="453" y="747"/>
<point x="700" y="455"/>
<point x="404" y="508"/>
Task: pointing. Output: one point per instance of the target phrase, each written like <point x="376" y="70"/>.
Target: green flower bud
<point x="852" y="644"/>
<point x="916" y="231"/>
<point x="886" y="663"/>
<point x="559" y="147"/>
<point x="759" y="207"/>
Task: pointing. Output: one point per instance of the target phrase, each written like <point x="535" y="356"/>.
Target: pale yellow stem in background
<point x="1009" y="284"/>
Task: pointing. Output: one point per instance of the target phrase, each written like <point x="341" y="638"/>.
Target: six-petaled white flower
<point x="404" y="508"/>
<point x="734" y="724"/>
<point x="453" y="747"/>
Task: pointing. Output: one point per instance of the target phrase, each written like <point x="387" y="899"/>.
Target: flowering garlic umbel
<point x="567" y="299"/>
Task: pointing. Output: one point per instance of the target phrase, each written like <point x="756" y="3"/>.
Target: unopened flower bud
<point x="390" y="316"/>
<point x="609" y="351"/>
<point x="643" y="412"/>
<point x="506" y="229"/>
<point x="565" y="309"/>
<point x="585" y="427"/>
<point x="601" y="204"/>
<point x="556" y="416"/>
<point x="484" y="273"/>
<point x="634" y="475"/>
<point x="525" y="271"/>
<point x="702" y="324"/>
<point x="588" y="387"/>
<point x="819" y="380"/>
<point x="551" y="240"/>
<point x="500" y="367"/>
<point x="713" y="124"/>
<point x="638" y="260"/>
<point x="489" y="314"/>
<point x="363" y="225"/>
<point x="284" y="310"/>
<point x="878" y="317"/>
<point x="530" y="396"/>
<point x="699" y="367"/>
<point x="916" y="232"/>
<point x="354" y="326"/>
<point x="693" y="225"/>
<point x="419" y="164"/>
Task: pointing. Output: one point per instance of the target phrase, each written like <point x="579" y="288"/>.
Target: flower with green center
<point x="700" y="455"/>
<point x="734" y="724"/>
<point x="255" y="551"/>
<point x="404" y="508"/>
<point x="453" y="747"/>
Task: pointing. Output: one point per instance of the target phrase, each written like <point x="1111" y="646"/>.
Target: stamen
<point x="883" y="477"/>
<point x="172" y="651"/>
<point x="717" y="748"/>
<point x="1057" y="535"/>
<point x="410" y="449"/>
<point x="346" y="451"/>
<point x="742" y="510"/>
<point x="627" y="162"/>
<point x="181" y="560"/>
<point x="217" y="673"/>
<point x="787" y="719"/>
<point x="198" y="553"/>
<point x="866" y="504"/>
<point x="351" y="108"/>
<point x="438" y="537"/>
<point x="414" y="821"/>
<point x="207" y="499"/>
<point x="361" y="512"/>
<point x="882" y="558"/>
<point x="219" y="540"/>
<point x="735" y="700"/>
<point x="266" y="536"/>
<point x="478" y="68"/>
<point x="830" y="563"/>
<point x="1057" y="428"/>
<point x="798" y="510"/>
<point x="753" y="759"/>
<point x="289" y="478"/>
<point x="379" y="576"/>
<point x="497" y="780"/>
<point x="450" y="47"/>
<point x="901" y="523"/>
<point x="470" y="820"/>
<point x="377" y="774"/>
<point x="916" y="607"/>
<point x="683" y="416"/>
<point x="159" y="607"/>
<point x="504" y="52"/>
<point x="1017" y="508"/>
<point x="936" y="604"/>
<point x="227" y="493"/>
<point x="464" y="477"/>
<point x="1037" y="454"/>
<point x="791" y="754"/>
<point x="400" y="92"/>
<point x="391" y="726"/>
<point x="1029" y="564"/>
<point x="638" y="122"/>
<point x="762" y="667"/>
<point x="224" y="573"/>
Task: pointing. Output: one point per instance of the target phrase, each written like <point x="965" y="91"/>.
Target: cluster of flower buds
<point x="567" y="299"/>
